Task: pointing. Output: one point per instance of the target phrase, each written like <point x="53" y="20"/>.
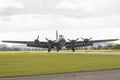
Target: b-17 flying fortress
<point x="60" y="42"/>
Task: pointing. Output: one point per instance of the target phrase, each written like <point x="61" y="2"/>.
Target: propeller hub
<point x="86" y="40"/>
<point x="50" y="42"/>
<point x="36" y="41"/>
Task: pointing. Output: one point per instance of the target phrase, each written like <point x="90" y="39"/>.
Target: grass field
<point x="14" y="64"/>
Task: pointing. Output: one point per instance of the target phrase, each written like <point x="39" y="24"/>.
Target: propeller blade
<point x="90" y="38"/>
<point x="82" y="38"/>
<point x="47" y="39"/>
<point x="68" y="39"/>
<point x="37" y="37"/>
<point x="76" y="39"/>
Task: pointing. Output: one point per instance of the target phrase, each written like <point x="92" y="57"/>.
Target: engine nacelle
<point x="33" y="45"/>
<point x="84" y="44"/>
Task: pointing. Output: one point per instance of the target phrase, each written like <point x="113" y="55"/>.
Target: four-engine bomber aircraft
<point x="60" y="42"/>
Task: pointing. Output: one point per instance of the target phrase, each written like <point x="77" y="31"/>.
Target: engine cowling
<point x="84" y="44"/>
<point x="33" y="45"/>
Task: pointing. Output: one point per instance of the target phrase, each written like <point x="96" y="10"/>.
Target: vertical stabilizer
<point x="56" y="35"/>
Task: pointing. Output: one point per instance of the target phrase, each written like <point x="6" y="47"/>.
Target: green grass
<point x="14" y="64"/>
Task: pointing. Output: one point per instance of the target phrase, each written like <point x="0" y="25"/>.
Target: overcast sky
<point x="25" y="19"/>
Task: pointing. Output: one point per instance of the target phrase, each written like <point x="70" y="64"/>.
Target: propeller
<point x="37" y="40"/>
<point x="73" y="40"/>
<point x="86" y="40"/>
<point x="50" y="44"/>
<point x="49" y="41"/>
<point x="73" y="43"/>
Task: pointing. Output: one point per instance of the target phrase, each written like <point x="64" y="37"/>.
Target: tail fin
<point x="56" y="35"/>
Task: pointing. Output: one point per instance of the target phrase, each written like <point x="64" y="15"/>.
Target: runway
<point x="110" y="53"/>
<point x="97" y="75"/>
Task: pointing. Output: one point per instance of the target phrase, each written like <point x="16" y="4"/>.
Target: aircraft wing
<point x="97" y="41"/>
<point x="91" y="42"/>
<point x="20" y="42"/>
<point x="42" y="44"/>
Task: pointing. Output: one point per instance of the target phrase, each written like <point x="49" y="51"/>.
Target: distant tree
<point x="116" y="46"/>
<point x="15" y="49"/>
<point x="109" y="46"/>
<point x="9" y="49"/>
<point x="99" y="47"/>
<point x="3" y="48"/>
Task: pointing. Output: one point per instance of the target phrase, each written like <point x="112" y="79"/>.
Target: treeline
<point x="110" y="46"/>
<point x="9" y="49"/>
<point x="6" y="48"/>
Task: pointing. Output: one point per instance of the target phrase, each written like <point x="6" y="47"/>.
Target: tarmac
<point x="96" y="75"/>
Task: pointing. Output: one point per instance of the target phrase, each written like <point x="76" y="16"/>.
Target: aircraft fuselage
<point x="61" y="41"/>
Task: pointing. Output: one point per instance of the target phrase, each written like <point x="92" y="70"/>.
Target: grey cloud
<point x="49" y="7"/>
<point x="58" y="19"/>
<point x="10" y="11"/>
<point x="32" y="23"/>
<point x="46" y="7"/>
